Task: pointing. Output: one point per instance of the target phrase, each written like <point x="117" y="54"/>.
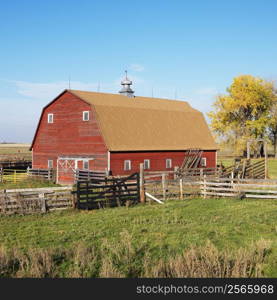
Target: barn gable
<point x="69" y="135"/>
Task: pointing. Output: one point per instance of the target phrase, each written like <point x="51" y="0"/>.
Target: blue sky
<point x="188" y="49"/>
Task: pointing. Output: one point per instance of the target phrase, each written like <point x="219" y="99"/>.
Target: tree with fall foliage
<point x="244" y="112"/>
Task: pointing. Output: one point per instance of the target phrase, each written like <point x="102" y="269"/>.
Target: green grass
<point x="28" y="183"/>
<point x="165" y="230"/>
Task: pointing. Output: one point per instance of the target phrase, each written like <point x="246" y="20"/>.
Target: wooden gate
<point x="99" y="193"/>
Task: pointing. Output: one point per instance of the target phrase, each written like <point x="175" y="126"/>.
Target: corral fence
<point x="109" y="192"/>
<point x="86" y="175"/>
<point x="238" y="188"/>
<point x="197" y="172"/>
<point x="47" y="174"/>
<point x="164" y="186"/>
<point x="37" y="200"/>
<point x="246" y="168"/>
<point x="15" y="176"/>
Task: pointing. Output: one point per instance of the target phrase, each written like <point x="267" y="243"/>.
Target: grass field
<point x="194" y="238"/>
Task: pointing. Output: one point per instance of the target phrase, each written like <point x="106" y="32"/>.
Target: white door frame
<point x="72" y="166"/>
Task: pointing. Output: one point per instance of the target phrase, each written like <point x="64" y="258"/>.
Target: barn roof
<point x="140" y="123"/>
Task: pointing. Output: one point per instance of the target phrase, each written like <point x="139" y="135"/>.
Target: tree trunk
<point x="275" y="144"/>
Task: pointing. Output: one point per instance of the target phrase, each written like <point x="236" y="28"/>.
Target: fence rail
<point x="164" y="186"/>
<point x="47" y="174"/>
<point x="241" y="188"/>
<point x="14" y="176"/>
<point x="26" y="201"/>
<point x="86" y="175"/>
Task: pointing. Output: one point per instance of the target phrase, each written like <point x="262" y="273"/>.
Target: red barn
<point x="100" y="131"/>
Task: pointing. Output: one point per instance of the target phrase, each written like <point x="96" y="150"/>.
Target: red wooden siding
<point x="69" y="135"/>
<point x="157" y="160"/>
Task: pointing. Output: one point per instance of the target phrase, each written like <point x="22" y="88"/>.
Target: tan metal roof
<point x="140" y="123"/>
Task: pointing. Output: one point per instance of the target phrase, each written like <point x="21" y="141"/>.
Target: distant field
<point x="14" y="145"/>
<point x="12" y="151"/>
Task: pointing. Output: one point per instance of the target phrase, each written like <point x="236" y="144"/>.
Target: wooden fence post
<point x="163" y="186"/>
<point x="265" y="161"/>
<point x="175" y="172"/>
<point x="181" y="189"/>
<point x="204" y="185"/>
<point x="43" y="202"/>
<point x="141" y="183"/>
<point x="201" y="173"/>
<point x="232" y="177"/>
<point x="1" y="175"/>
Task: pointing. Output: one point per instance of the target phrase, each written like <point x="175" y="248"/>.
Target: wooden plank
<point x="218" y="189"/>
<point x="239" y="184"/>
<point x="219" y="194"/>
<point x="153" y="198"/>
<point x="39" y="189"/>
<point x="261" y="196"/>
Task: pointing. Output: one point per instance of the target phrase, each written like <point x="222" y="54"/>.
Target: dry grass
<point x="126" y="259"/>
<point x="209" y="262"/>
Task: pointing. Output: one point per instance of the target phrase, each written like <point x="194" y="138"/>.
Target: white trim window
<point x="127" y="165"/>
<point x="85" y="164"/>
<point x="50" y="164"/>
<point x="146" y="164"/>
<point x="50" y="118"/>
<point x="203" y="162"/>
<point x="85" y="115"/>
<point x="168" y="163"/>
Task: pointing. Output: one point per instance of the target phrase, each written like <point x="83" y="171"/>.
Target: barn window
<point x="168" y="163"/>
<point x="127" y="165"/>
<point x="146" y="164"/>
<point x="50" y="118"/>
<point x="203" y="162"/>
<point x="85" y="115"/>
<point x="50" y="164"/>
<point x="85" y="165"/>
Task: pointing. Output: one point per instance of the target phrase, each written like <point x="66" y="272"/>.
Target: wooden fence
<point x="239" y="188"/>
<point x="86" y="175"/>
<point x="196" y="172"/>
<point x="164" y="186"/>
<point x="26" y="201"/>
<point x="12" y="176"/>
<point x="98" y="193"/>
<point x="47" y="174"/>
<point x="246" y="168"/>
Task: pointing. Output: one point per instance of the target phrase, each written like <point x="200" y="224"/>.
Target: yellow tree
<point x="273" y="125"/>
<point x="244" y="112"/>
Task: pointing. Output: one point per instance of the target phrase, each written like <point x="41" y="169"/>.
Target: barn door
<point x="66" y="170"/>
